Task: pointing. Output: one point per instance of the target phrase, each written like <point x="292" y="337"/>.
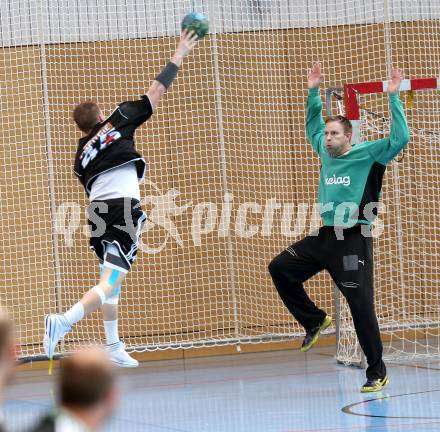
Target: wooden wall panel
<point x="185" y="291"/>
<point x="25" y="220"/>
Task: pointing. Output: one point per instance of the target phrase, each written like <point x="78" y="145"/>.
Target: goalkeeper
<point x="349" y="189"/>
<point x="110" y="169"/>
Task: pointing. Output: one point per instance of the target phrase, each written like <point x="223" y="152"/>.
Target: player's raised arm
<point x="161" y="83"/>
<point x="314" y="122"/>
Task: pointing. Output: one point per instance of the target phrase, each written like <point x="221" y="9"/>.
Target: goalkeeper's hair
<point x="86" y="115"/>
<point x="346" y="124"/>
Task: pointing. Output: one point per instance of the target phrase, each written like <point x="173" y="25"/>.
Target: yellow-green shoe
<point x="313" y="335"/>
<point x="374" y="385"/>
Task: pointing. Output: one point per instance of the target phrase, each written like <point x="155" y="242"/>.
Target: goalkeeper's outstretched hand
<point x="315" y="77"/>
<point x="395" y="81"/>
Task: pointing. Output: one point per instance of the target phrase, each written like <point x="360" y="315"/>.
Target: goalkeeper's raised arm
<point x="314" y="121"/>
<point x="161" y="83"/>
<point x="387" y="149"/>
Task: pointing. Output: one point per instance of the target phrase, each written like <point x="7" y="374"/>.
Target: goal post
<point x="415" y="332"/>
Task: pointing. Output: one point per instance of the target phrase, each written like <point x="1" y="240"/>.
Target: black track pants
<point x="348" y="256"/>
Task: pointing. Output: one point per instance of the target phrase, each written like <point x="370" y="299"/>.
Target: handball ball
<point x="196" y="22"/>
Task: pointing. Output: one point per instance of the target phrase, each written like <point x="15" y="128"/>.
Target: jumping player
<point x="110" y="169"/>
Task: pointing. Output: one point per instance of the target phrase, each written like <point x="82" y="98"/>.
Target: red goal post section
<point x="352" y="110"/>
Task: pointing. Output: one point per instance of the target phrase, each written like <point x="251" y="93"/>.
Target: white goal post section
<point x="406" y="333"/>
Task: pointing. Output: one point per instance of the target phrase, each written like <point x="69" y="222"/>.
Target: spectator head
<point x="87" y="386"/>
<point x="8" y="349"/>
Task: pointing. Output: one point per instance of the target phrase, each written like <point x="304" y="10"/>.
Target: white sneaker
<point x="120" y="357"/>
<point x="55" y="327"/>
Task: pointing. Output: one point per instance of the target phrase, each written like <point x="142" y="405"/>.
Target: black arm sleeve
<point x="136" y="112"/>
<point x="168" y="74"/>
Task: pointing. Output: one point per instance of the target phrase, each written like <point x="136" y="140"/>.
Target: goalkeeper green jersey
<point x="350" y="184"/>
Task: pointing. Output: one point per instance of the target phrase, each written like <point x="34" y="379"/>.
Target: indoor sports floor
<point x="281" y="391"/>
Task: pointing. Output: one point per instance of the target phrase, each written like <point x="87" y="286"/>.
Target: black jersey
<point x="111" y="143"/>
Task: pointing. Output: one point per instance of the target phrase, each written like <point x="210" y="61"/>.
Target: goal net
<point x="231" y="180"/>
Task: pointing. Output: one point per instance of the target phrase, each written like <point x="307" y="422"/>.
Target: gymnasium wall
<point x="234" y="120"/>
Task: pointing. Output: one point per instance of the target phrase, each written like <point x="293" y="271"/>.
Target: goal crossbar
<point x="352" y="90"/>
